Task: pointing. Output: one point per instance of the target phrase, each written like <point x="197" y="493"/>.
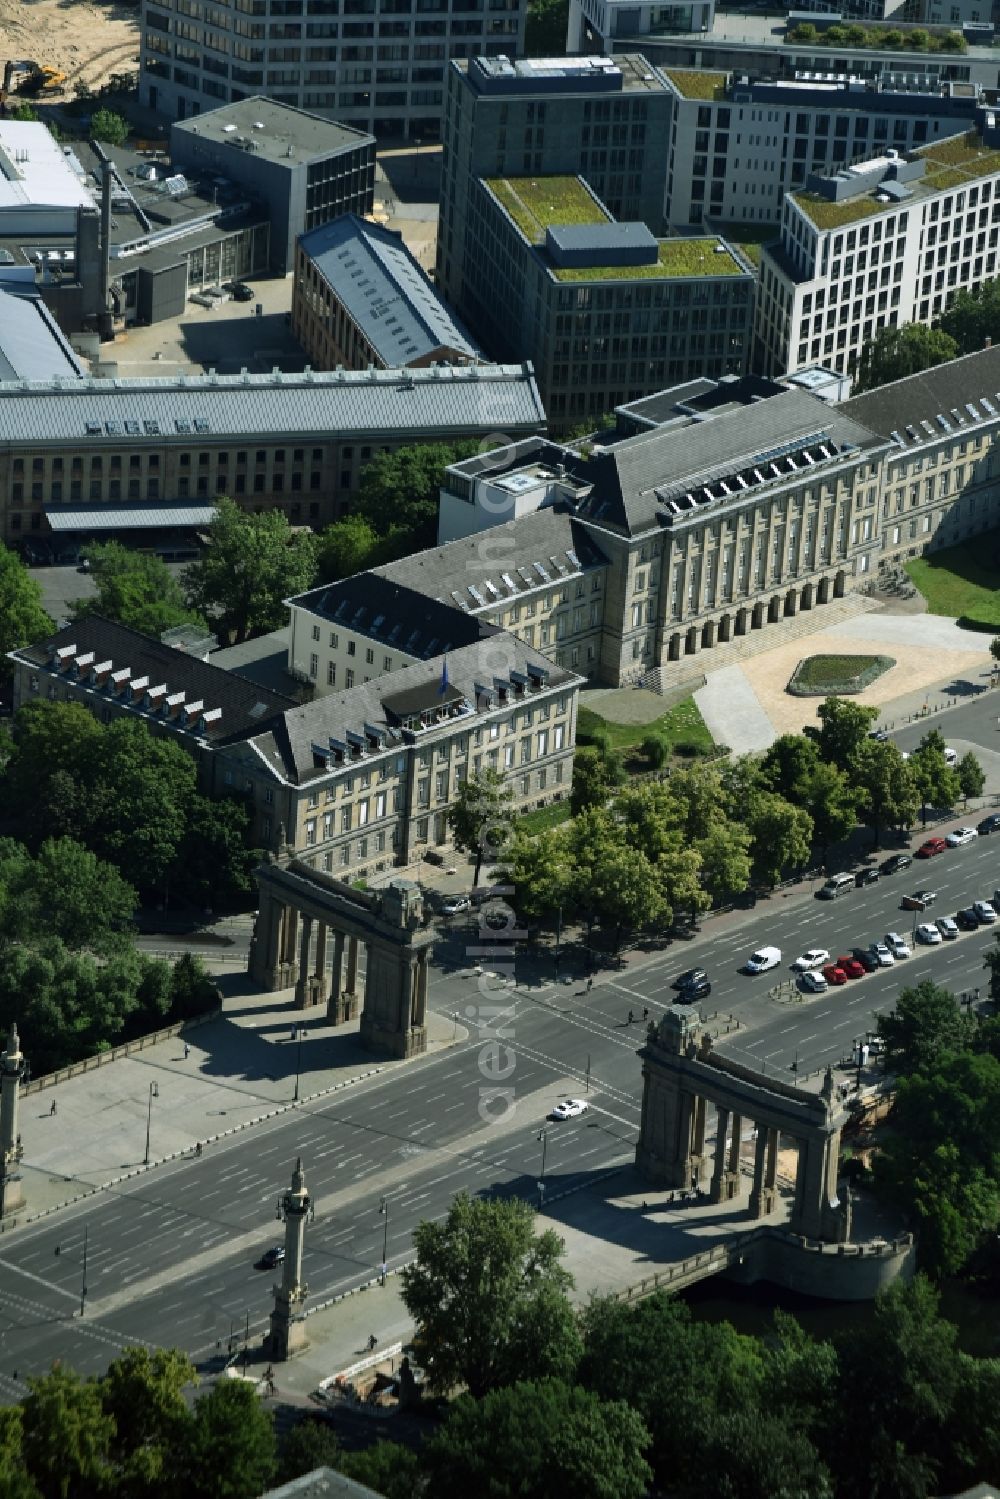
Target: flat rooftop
<point x="628" y="73"/>
<point x="697" y="83"/>
<point x="35" y="171"/>
<point x="539" y="203"/>
<point x="275" y="129"/>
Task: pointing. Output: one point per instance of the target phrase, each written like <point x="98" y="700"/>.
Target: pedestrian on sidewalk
<point x="52" y="1110"/>
<point x="590" y="984"/>
<point x="631" y="1017"/>
<point x="187" y="1051"/>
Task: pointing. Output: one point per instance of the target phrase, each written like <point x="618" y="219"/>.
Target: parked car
<point x="987" y="915"/>
<point x="834" y="974"/>
<point x="919" y="901"/>
<point x="947" y="928"/>
<point x="896" y="862"/>
<point x="960" y="836"/>
<point x="990" y="824"/>
<point x="930" y="847"/>
<point x="813" y="983"/>
<point x="814" y="957"/>
<point x="967" y="920"/>
<point x="950" y="756"/>
<point x="928" y="933"/>
<point x="852" y="967"/>
<point x="883" y="955"/>
<point x="453" y="904"/>
<point x="689" y="976"/>
<point x="570" y="1108"/>
<point x="879" y="735"/>
<point x="836" y="885"/>
<point x="241" y="292"/>
<point x="897" y="945"/>
<point x="763" y="959"/>
<point x="865" y="957"/>
<point x="867" y="876"/>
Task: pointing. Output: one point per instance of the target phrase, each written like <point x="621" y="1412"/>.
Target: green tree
<point x="991" y="962"/>
<point x="139" y="793"/>
<point x="936" y="783"/>
<point x="352" y="545"/>
<point x="895" y="353"/>
<point x="488" y="1295"/>
<point x="887" y="794"/>
<point x="192" y="989"/>
<point x="546" y="27"/>
<point x="250" y="564"/>
<point x="925" y="1026"/>
<point x="22" y="618"/>
<point x="971" y="776"/>
<point x="482" y="817"/>
<point x="229" y="1450"/>
<point x="757" y="1456"/>
<point x="540" y="869"/>
<point x="615" y="883"/>
<point x="214" y="862"/>
<point x="536" y="1440"/>
<point x="781" y="837"/>
<point x="596" y="774"/>
<point x="24" y="112"/>
<point x="725" y="860"/>
<point x="973" y="317"/>
<point x="135" y="589"/>
<point x="843" y="732"/>
<point x="400" y="489"/>
<point x="41" y="787"/>
<point x="389" y="1468"/>
<point x="107" y="126"/>
<point x="311" y="1443"/>
<point x="143" y="1394"/>
<point x="829" y="797"/>
<point x="995" y="647"/>
<point x="788" y="763"/>
<point x="67" y="892"/>
<point x="66" y="1436"/>
<point x="15" y="1482"/>
<point x="656" y="749"/>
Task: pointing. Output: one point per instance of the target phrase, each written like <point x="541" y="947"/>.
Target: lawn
<point x="544" y="818"/>
<point x="962" y="582"/>
<point x="535" y="203"/>
<point x="819" y="675"/>
<point x="681" y="724"/>
<point x="826" y="214"/>
<point x="676" y="257"/>
<point x="697" y="85"/>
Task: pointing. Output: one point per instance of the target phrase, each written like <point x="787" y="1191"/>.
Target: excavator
<point x="36" y="78"/>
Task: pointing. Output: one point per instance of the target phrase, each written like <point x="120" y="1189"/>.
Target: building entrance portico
<point x="683" y="1075"/>
<point x="308" y="935"/>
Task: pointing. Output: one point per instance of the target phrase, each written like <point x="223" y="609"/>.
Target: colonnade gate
<point x="301" y="908"/>
<point x="682" y="1075"/>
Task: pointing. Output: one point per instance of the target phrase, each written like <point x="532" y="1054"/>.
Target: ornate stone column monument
<point x="12" y="1068"/>
<point x="288" y="1332"/>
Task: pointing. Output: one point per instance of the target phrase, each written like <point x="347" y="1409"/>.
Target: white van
<point x="836" y="885"/>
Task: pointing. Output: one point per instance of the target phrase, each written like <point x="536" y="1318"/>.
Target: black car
<point x="688" y="977"/>
<point x="967" y="920"/>
<point x="879" y="735"/>
<point x="865" y="957"/>
<point x="273" y="1256"/>
<point x="989" y="824"/>
<point x="868" y="876"/>
<point x="241" y="292"/>
<point x="698" y="988"/>
<point x="895" y="862"/>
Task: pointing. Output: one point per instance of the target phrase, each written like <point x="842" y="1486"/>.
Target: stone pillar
<point x="392" y="1019"/>
<point x="816" y="1195"/>
<point x="759" y="1160"/>
<point x="698" y="1142"/>
<point x="11" y="1072"/>
<point x="420" y="1003"/>
<point x="735" y="1146"/>
<point x="272" y="962"/>
<point x="341" y="1006"/>
<point x="722" y="1116"/>
<point x="302" y="986"/>
<point x="771" y="1170"/>
<point x="288" y="1331"/>
<point x="291" y="924"/>
<point x="352" y="965"/>
<point x="319" y="985"/>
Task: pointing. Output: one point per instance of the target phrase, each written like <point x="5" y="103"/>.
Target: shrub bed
<point x="822" y="676"/>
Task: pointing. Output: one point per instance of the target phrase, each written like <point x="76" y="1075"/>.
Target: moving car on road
<point x="456" y="903"/>
<point x="896" y="862"/>
<point x="698" y="988"/>
<point x="763" y="959"/>
<point x="688" y="977"/>
<point x="897" y="945"/>
<point x="814" y="957"/>
<point x="928" y="933"/>
<point x="273" y="1256"/>
<point x="570" y="1108"/>
<point x="930" y="847"/>
<point x="960" y="836"/>
<point x="867" y="876"/>
<point x="919" y="901"/>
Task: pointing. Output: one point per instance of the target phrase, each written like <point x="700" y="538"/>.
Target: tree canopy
<point x="894" y="353"/>
<point x="481" y="818"/>
<point x="135" y="589"/>
<point x="22" y="618"/>
<point x="250" y="564"/>
<point x="399" y="489"/>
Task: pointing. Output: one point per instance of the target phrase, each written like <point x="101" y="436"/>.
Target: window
<point x="331" y="674"/>
<point x="348" y="678"/>
<point x="352" y="646"/>
<point x="313" y="665"/>
<point x="543" y="742"/>
<point x="362" y="812"/>
<point x="345" y="819"/>
<point x="311" y="831"/>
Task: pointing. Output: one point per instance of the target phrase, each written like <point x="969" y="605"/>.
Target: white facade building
<point x="886" y="242"/>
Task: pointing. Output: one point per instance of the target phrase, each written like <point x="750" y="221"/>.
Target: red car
<point x="834" y="974"/>
<point x="852" y="968"/>
<point x="931" y="847"/>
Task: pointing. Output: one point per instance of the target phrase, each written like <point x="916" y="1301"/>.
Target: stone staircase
<point x="672" y="675"/>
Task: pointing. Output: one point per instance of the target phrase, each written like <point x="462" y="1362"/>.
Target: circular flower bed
<point x="826" y="676"/>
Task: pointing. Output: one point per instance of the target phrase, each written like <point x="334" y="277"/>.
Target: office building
<point x="739" y="142"/>
<point x="355" y="781"/>
<point x="605" y="311"/>
<point x="361" y="300"/>
<point x="85" y="457"/>
<point x="885" y="242"/>
<point x="305" y="169"/>
<point x="601" y="118"/>
<point x="601" y="25"/>
<point x="378" y="69"/>
<point x="41" y="185"/>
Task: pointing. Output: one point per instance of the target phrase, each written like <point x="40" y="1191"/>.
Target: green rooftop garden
<point x="749" y="239"/>
<point x="880" y="38"/>
<point x="677" y="257"/>
<point x="826" y="214"/>
<point x="697" y="84"/>
<point x="964" y="154"/>
<point x="538" y="203"/>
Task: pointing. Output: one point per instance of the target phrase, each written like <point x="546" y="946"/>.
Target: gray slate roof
<point x="385" y="290"/>
<point x="245" y="706"/>
<point x="461" y="399"/>
<point x="449" y="572"/>
<point x="631" y="478"/>
<point x="924" y="397"/>
<point x="288" y="745"/>
<point x="396" y="616"/>
<point x="31" y="345"/>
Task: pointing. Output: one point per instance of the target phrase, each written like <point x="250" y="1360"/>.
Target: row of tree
<point x="966" y="326"/>
<point x="638" y="855"/>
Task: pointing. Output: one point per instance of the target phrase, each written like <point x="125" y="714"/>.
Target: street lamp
<point x="544" y="1140"/>
<point x="83" y="1280"/>
<point x="298" y="1064"/>
<point x="383" y="1208"/>
<point x="154" y="1092"/>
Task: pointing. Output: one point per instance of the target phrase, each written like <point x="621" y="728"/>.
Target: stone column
<point x="757" y="1194"/>
<point x="736" y="1144"/>
<point x="291" y="924"/>
<point x="11" y="1072"/>
<point x="265" y="964"/>
<point x="337" y="1009"/>
<point x="722" y="1116"/>
<point x="352" y="965"/>
<point x="302" y="999"/>
<point x="698" y="1142"/>
<point x="288" y="1333"/>
<point x="319" y="983"/>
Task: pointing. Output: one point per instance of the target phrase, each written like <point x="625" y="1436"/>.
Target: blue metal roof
<point x="385" y="290"/>
<point x="31" y="345"/>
